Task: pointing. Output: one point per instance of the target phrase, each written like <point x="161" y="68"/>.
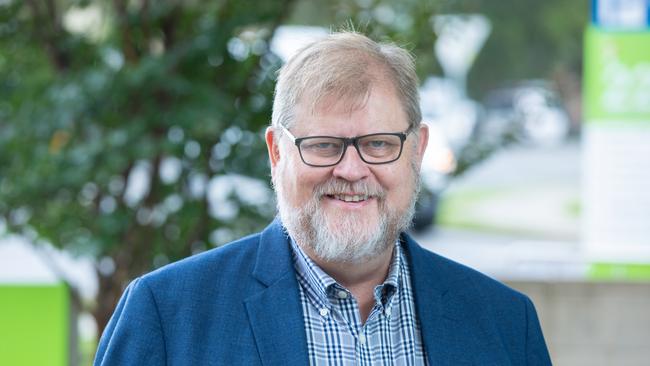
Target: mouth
<point x="350" y="197"/>
<point x="347" y="201"/>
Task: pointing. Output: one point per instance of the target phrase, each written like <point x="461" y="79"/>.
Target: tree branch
<point x="168" y="26"/>
<point x="48" y="33"/>
<point x="128" y="49"/>
<point x="54" y="16"/>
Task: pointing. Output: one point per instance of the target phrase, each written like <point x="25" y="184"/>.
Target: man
<point x="335" y="280"/>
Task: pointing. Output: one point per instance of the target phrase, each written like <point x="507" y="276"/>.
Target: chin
<point x="359" y="225"/>
<point x="350" y="237"/>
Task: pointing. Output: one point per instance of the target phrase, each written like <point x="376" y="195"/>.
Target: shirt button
<point x="362" y="339"/>
<point x="387" y="311"/>
<point x="324" y="312"/>
<point x="342" y="294"/>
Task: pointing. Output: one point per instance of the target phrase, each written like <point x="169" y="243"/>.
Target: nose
<point x="351" y="168"/>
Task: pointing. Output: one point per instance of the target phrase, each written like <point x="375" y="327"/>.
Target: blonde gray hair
<point x="345" y="66"/>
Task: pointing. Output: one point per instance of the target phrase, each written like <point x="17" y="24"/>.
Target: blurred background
<point x="131" y="136"/>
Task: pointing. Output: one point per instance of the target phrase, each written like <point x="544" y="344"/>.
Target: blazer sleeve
<point x="536" y="351"/>
<point x="134" y="335"/>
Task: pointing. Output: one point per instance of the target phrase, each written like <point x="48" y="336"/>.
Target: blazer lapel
<point x="432" y="298"/>
<point x="275" y="313"/>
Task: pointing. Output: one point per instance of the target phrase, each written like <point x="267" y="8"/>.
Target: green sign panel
<point x="617" y="76"/>
<point x="34" y="325"/>
<point x="619" y="272"/>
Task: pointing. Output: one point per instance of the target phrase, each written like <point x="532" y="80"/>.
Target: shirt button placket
<point x="361" y="348"/>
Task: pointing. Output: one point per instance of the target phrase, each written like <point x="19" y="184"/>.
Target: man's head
<point x="346" y="86"/>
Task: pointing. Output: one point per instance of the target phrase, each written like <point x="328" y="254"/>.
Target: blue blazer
<point x="239" y="305"/>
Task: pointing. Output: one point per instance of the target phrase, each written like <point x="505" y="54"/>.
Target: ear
<point x="423" y="140"/>
<point x="272" y="146"/>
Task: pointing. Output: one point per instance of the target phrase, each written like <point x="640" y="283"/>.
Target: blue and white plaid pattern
<point x="335" y="333"/>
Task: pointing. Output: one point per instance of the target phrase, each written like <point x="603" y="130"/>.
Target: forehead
<point x="377" y="110"/>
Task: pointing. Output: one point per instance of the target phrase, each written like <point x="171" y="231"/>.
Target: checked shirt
<point x="335" y="333"/>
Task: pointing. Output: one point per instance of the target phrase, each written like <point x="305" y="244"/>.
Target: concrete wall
<point x="593" y="324"/>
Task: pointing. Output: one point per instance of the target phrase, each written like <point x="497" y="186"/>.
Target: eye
<point x="323" y="145"/>
<point x="377" y="143"/>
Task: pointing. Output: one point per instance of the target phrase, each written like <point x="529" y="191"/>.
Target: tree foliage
<point x="126" y="127"/>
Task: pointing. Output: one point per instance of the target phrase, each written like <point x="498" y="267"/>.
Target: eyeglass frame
<point x="347" y="142"/>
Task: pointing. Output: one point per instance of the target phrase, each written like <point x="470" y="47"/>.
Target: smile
<point x="350" y="198"/>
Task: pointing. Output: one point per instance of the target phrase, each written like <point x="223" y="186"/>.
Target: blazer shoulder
<point x="232" y="259"/>
<point x="457" y="277"/>
<point x="482" y="282"/>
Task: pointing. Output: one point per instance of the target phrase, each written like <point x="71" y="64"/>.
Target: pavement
<point x="516" y="216"/>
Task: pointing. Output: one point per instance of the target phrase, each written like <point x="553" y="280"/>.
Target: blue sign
<point x="621" y="14"/>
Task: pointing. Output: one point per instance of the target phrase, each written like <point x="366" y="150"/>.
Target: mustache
<point x="340" y="186"/>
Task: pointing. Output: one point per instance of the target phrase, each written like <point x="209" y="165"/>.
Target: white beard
<point x="343" y="237"/>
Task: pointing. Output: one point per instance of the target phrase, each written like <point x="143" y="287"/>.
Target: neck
<point x="355" y="275"/>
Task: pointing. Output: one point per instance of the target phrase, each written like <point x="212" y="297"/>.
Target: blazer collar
<point x="275" y="312"/>
<point x="273" y="255"/>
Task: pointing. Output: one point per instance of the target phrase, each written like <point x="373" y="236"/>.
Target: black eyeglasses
<point x="375" y="148"/>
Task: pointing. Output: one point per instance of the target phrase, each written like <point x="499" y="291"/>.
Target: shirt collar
<point x="318" y="284"/>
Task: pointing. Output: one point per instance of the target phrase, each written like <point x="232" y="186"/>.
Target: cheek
<point x="308" y="179"/>
<point x="398" y="183"/>
<point x="298" y="179"/>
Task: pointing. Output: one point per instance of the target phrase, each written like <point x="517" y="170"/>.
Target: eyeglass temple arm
<point x="291" y="136"/>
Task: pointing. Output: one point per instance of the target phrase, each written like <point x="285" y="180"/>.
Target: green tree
<point x="120" y="121"/>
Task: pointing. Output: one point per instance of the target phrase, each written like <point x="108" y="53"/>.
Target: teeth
<point x="351" y="198"/>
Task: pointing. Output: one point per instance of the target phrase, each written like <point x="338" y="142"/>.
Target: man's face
<point x="352" y="211"/>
